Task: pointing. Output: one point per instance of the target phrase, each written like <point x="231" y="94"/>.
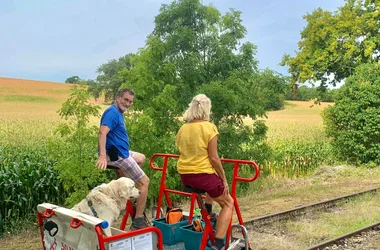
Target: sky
<point x="52" y="40"/>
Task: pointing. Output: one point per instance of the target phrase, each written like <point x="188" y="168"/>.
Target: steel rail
<point x="283" y="215"/>
<point x="336" y="241"/>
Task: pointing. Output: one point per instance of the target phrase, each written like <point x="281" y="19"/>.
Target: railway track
<point x="292" y="213"/>
<point x="298" y="212"/>
<point x="343" y="241"/>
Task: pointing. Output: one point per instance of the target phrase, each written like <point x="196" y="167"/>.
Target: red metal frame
<point x="75" y="223"/>
<point x="165" y="191"/>
<point x="208" y="231"/>
<point x="103" y="240"/>
<point x="128" y="212"/>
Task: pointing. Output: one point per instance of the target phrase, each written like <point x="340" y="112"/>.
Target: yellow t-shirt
<point x="192" y="142"/>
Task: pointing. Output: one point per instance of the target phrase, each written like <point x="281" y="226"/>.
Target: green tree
<point x="272" y="87"/>
<point x="73" y="79"/>
<point x="354" y="121"/>
<point x="110" y="77"/>
<point x="333" y="44"/>
<point x="194" y="49"/>
<point x="305" y="93"/>
<point x="94" y="88"/>
<point x="75" y="149"/>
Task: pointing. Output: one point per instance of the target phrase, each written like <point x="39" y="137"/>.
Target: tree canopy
<point x="109" y="79"/>
<point x="195" y="49"/>
<point x="73" y="79"/>
<point x="332" y="45"/>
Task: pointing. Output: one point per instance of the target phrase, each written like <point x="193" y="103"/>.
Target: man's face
<point x="125" y="101"/>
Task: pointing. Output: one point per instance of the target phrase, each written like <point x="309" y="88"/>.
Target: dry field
<point x="28" y="109"/>
<point x="28" y="113"/>
<point x="297" y="121"/>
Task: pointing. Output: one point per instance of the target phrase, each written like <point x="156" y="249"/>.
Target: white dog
<point x="107" y="200"/>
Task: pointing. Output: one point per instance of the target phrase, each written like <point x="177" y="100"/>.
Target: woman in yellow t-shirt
<point x="199" y="164"/>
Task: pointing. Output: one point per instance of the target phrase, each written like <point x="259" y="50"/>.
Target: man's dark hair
<point x="122" y="91"/>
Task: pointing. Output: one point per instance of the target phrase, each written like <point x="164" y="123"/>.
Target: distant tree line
<point x="306" y="93"/>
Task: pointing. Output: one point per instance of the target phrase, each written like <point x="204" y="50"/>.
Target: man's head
<point x="124" y="99"/>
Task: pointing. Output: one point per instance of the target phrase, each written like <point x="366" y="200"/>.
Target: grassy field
<point x="28" y="109"/>
<point x="31" y="106"/>
<point x="297" y="121"/>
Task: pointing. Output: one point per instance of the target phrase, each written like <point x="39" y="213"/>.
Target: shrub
<point x="354" y="122"/>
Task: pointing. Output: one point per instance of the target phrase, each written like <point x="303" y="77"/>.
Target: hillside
<point x="16" y="86"/>
<point x="28" y="109"/>
<point x="28" y="95"/>
<point x="28" y="105"/>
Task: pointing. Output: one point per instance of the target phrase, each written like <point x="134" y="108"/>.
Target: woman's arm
<point x="215" y="160"/>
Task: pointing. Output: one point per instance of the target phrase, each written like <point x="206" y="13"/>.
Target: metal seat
<point x="189" y="189"/>
<point x="112" y="167"/>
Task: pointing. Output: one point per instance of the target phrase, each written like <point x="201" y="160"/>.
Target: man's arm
<point x="102" y="138"/>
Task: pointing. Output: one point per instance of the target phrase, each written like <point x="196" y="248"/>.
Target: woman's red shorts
<point x="211" y="183"/>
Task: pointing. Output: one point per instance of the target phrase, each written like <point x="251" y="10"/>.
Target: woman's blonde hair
<point x="199" y="108"/>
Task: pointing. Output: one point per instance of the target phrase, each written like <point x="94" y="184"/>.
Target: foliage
<point x="73" y="79"/>
<point x="272" y="87"/>
<point x="94" y="88"/>
<point x="354" y="121"/>
<point x="27" y="178"/>
<point x="194" y="49"/>
<point x="75" y="146"/>
<point x="144" y="138"/>
<point x="305" y="93"/>
<point x="109" y="79"/>
<point x="333" y="44"/>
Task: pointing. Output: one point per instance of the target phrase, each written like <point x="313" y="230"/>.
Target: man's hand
<point x="102" y="162"/>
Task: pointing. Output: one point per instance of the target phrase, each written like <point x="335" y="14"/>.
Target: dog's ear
<point x="127" y="181"/>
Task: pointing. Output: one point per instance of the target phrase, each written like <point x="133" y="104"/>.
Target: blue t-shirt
<point x="117" y="136"/>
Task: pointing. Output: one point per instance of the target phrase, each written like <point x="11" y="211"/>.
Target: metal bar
<point x="346" y="236"/>
<point x="287" y="213"/>
<point x="40" y="223"/>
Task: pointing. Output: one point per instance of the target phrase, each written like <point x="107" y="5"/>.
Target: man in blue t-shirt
<point x="114" y="150"/>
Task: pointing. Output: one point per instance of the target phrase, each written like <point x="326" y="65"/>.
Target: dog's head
<point x="119" y="191"/>
<point x="125" y="188"/>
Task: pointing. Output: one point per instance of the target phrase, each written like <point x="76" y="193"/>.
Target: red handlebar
<point x="151" y="162"/>
<point x="236" y="162"/>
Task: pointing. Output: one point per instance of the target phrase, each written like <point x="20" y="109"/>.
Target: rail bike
<point x="65" y="229"/>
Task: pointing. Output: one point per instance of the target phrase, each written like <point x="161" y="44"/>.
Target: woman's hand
<point x="226" y="188"/>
